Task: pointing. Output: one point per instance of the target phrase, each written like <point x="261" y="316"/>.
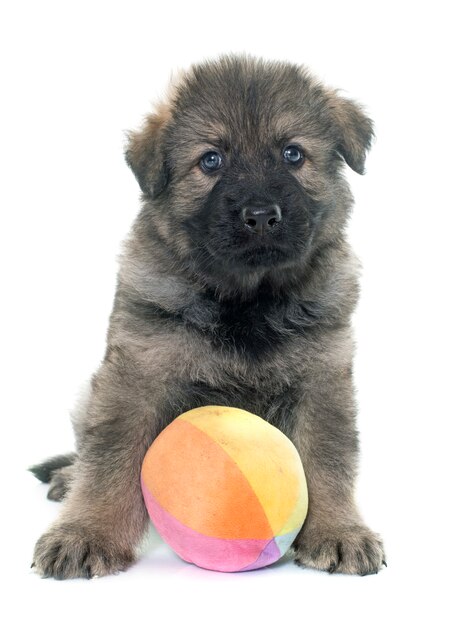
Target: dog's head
<point x="241" y="167"/>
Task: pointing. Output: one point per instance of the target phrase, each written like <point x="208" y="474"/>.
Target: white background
<point x="75" y="76"/>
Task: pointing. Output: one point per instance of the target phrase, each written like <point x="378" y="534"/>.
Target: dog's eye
<point x="211" y="161"/>
<point x="293" y="155"/>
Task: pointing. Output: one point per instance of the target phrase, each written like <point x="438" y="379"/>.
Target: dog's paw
<point x="348" y="550"/>
<point x="71" y="551"/>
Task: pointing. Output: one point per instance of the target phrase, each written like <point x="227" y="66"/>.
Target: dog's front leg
<point x="334" y="537"/>
<point x="103" y="517"/>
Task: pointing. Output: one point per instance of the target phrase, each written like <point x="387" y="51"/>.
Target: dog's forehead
<point x="243" y="106"/>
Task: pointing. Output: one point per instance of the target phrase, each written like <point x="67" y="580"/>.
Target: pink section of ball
<point x="222" y="555"/>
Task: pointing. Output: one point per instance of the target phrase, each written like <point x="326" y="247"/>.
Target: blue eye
<point x="293" y="155"/>
<point x="211" y="161"/>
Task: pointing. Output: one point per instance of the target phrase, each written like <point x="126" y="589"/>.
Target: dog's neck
<point x="323" y="290"/>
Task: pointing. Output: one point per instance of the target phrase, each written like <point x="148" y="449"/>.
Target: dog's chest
<point x="256" y="329"/>
<point x="248" y="331"/>
<point x="249" y="360"/>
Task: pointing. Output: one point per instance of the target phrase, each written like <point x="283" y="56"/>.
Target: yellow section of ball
<point x="266" y="457"/>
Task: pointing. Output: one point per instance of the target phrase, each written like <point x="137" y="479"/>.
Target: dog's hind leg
<point x="58" y="472"/>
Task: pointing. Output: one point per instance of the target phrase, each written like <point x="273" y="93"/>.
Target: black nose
<point x="261" y="219"/>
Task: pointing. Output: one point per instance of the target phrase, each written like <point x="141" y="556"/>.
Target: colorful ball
<point x="225" y="489"/>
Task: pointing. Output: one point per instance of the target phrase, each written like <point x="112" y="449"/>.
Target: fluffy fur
<point x="208" y="312"/>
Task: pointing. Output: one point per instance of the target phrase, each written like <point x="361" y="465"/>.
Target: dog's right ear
<point x="145" y="154"/>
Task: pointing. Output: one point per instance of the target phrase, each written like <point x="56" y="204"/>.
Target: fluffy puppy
<point x="236" y="287"/>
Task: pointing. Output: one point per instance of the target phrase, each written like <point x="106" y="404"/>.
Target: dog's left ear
<point x="354" y="131"/>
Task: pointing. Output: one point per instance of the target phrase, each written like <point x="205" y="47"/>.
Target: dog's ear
<point x="354" y="131"/>
<point x="145" y="153"/>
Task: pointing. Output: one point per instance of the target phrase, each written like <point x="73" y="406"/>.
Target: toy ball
<point x="225" y="489"/>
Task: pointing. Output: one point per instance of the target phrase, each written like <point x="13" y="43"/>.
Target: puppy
<point x="236" y="287"/>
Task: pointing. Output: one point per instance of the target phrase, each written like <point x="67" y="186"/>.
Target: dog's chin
<point x="240" y="269"/>
<point x="253" y="258"/>
<point x="261" y="257"/>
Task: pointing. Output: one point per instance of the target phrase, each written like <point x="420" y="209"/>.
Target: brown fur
<point x="194" y="322"/>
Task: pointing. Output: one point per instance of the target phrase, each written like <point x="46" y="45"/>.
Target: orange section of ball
<point x="186" y="466"/>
